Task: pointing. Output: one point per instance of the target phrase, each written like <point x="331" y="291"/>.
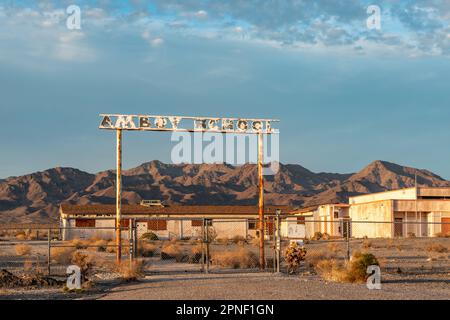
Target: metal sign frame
<point x="120" y="122"/>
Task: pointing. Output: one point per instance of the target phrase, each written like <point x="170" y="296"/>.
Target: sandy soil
<point x="263" y="286"/>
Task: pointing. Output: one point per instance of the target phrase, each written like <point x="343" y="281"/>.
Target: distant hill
<point x="36" y="197"/>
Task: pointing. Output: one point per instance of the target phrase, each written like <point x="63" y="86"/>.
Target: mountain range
<point x="36" y="197"/>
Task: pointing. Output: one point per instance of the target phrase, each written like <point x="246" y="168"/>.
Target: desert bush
<point x="436" y="247"/>
<point x="223" y="241"/>
<point x="98" y="245"/>
<point x="111" y="247"/>
<point x="255" y="242"/>
<point x="62" y="255"/>
<point x="130" y="271"/>
<point x="146" y="249"/>
<point x="313" y="257"/>
<point x="84" y="261"/>
<point x="21" y="236"/>
<point x="149" y="236"/>
<point x="196" y="254"/>
<point x="357" y="267"/>
<point x="79" y="244"/>
<point x="367" y="244"/>
<point x="353" y="271"/>
<point x="294" y="255"/>
<point x="442" y="235"/>
<point x="239" y="258"/>
<point x="333" y="247"/>
<point x="28" y="266"/>
<point x="172" y="251"/>
<point x="22" y="249"/>
<point x="326" y="236"/>
<point x="317" y="235"/>
<point x="238" y="240"/>
<point x="411" y="235"/>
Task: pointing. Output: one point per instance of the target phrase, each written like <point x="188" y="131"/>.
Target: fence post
<point x="130" y="242"/>
<point x="48" y="250"/>
<point x="203" y="245"/>
<point x="278" y="241"/>
<point x="135" y="238"/>
<point x="347" y="237"/>
<point x="207" y="245"/>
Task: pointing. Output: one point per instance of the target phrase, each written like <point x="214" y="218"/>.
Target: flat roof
<point x="67" y="209"/>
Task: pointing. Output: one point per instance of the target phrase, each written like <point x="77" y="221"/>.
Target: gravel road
<point x="263" y="286"/>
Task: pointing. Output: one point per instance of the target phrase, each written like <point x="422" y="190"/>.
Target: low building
<point x="421" y="212"/>
<point x="326" y="218"/>
<point x="167" y="222"/>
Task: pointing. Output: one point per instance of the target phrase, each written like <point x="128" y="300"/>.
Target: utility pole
<point x="262" y="260"/>
<point x="119" y="196"/>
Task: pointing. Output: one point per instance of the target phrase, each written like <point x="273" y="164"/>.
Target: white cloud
<point x="157" y="42"/>
<point x="202" y="14"/>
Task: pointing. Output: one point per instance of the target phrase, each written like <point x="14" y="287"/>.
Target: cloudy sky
<point x="346" y="94"/>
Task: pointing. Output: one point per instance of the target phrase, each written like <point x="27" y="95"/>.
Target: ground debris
<point x="9" y="280"/>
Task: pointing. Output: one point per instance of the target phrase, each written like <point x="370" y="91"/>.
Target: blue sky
<point x="346" y="95"/>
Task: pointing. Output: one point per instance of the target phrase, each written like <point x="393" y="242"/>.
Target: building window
<point x="300" y="220"/>
<point x="85" y="223"/>
<point x="252" y="224"/>
<point x="336" y="215"/>
<point x="125" y="223"/>
<point x="197" y="223"/>
<point x="157" y="225"/>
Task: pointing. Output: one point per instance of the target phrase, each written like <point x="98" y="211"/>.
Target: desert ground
<point x="412" y="268"/>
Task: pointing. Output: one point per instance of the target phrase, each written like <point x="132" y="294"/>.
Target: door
<point x="445" y="226"/>
<point x="398" y="227"/>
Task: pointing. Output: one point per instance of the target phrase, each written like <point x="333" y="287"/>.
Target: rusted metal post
<point x="278" y="241"/>
<point x="49" y="246"/>
<point x="262" y="260"/>
<point x="130" y="242"/>
<point x="119" y="196"/>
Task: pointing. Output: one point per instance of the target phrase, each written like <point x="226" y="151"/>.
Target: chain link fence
<point x="171" y="245"/>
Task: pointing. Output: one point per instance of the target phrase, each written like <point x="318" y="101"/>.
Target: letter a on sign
<point x="106" y="122"/>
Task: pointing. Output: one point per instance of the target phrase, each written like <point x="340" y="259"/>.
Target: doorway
<point x="398" y="227"/>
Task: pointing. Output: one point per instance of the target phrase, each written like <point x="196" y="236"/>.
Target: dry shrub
<point x="313" y="257"/>
<point x="22" y="249"/>
<point x="172" y="251"/>
<point x="130" y="271"/>
<point x="222" y="240"/>
<point x="84" y="261"/>
<point x="442" y="235"/>
<point x="333" y="247"/>
<point x="196" y="254"/>
<point x="317" y="235"/>
<point x="79" y="244"/>
<point x="436" y="247"/>
<point x="240" y="240"/>
<point x="146" y="249"/>
<point x="239" y="258"/>
<point x="367" y="244"/>
<point x="255" y="242"/>
<point x="21" y="236"/>
<point x="294" y="255"/>
<point x="355" y="271"/>
<point x="28" y="265"/>
<point x="98" y="245"/>
<point x="62" y="255"/>
<point x="111" y="247"/>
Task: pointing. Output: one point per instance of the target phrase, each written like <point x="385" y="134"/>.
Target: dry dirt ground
<point x="249" y="286"/>
<point x="410" y="270"/>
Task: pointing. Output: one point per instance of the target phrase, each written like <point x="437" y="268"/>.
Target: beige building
<point x="167" y="222"/>
<point x="326" y="218"/>
<point x="421" y="212"/>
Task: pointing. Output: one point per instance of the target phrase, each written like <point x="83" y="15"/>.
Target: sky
<point x="345" y="94"/>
